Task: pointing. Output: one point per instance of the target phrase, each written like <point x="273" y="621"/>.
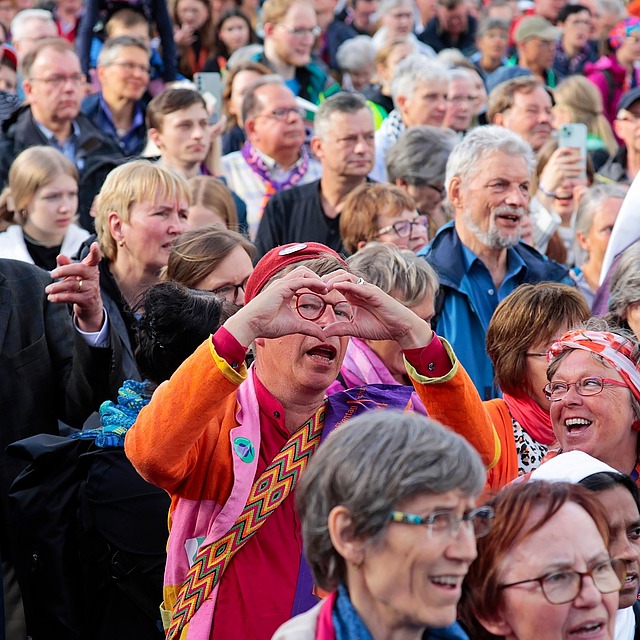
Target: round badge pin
<point x="294" y="248"/>
<point x="244" y="449"/>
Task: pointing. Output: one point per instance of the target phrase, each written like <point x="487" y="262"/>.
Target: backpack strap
<point x="268" y="492"/>
<point x="610" y="85"/>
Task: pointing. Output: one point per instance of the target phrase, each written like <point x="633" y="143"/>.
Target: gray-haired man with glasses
<point x="119" y="109"/>
<point x="54" y="85"/>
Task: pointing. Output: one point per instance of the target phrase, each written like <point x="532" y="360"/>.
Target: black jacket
<point x="99" y="153"/>
<point x="438" y="39"/>
<point x="296" y="215"/>
<point x="49" y="373"/>
<point x="615" y="168"/>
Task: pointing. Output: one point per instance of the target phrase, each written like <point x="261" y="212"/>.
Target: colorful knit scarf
<point x="258" y="166"/>
<point x="117" y="419"/>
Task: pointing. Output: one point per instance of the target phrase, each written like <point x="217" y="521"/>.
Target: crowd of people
<point x="344" y="292"/>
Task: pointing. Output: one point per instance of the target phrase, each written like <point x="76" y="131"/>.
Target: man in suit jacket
<point x="53" y="366"/>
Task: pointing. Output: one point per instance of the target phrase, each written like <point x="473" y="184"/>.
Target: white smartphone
<point x="575" y="136"/>
<point x="210" y="82"/>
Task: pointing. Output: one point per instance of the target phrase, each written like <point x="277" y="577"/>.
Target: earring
<point x="121" y="243"/>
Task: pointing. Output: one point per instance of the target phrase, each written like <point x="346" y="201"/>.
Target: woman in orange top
<point x="522" y="329"/>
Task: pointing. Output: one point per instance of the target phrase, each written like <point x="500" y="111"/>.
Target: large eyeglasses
<point x="284" y="113"/>
<point x="301" y="32"/>
<point x="404" y="228"/>
<point x="447" y="522"/>
<point x="230" y="291"/>
<point x="590" y="386"/>
<point x="58" y="81"/>
<point x="311" y="306"/>
<point x="561" y="587"/>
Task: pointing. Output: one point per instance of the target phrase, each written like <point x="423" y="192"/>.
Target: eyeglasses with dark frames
<point x="230" y="291"/>
<point x="448" y="522"/>
<point x="311" y="306"/>
<point x="403" y="228"/>
<point x="561" y="587"/>
<point x="591" y="386"/>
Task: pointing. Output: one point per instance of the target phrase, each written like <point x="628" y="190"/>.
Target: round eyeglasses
<point x="311" y="306"/>
<point x="448" y="522"/>
<point x="590" y="386"/>
<point x="561" y="587"/>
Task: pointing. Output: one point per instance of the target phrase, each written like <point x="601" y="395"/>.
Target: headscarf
<point x="622" y="31"/>
<point x="613" y="348"/>
<point x="282" y="256"/>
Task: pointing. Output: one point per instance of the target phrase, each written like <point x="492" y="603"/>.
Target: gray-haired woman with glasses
<point x="543" y="572"/>
<point x="389" y="524"/>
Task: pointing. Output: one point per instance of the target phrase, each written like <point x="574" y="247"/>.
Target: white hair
<point x="356" y="53"/>
<point x="22" y="19"/>
<point x="414" y="70"/>
<point x="468" y="155"/>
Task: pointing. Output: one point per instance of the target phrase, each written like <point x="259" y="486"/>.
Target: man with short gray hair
<point x="54" y="85"/>
<point x="118" y="110"/>
<point x="28" y="27"/>
<point x="479" y="258"/>
<point x="344" y="144"/>
<point x="419" y="89"/>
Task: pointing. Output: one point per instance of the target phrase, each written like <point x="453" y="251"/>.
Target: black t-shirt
<point x="296" y="215"/>
<point x="43" y="257"/>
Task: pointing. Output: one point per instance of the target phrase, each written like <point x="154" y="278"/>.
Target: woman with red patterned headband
<point x="594" y="390"/>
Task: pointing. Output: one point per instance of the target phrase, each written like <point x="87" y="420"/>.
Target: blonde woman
<point x="40" y="205"/>
<point x="141" y="209"/>
<point x="578" y="100"/>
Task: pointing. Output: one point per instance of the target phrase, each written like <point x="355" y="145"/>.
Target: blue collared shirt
<point x="68" y="148"/>
<point x="484" y="294"/>
<point x="132" y="142"/>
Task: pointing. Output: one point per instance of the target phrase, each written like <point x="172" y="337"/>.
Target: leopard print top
<point x="530" y="452"/>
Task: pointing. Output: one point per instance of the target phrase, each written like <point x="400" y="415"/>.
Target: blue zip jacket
<point x="456" y="318"/>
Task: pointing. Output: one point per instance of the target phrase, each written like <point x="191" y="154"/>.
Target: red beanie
<point x="278" y="258"/>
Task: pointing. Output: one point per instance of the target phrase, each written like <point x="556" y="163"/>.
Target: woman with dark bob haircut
<point x="389" y="528"/>
<point x="543" y="571"/>
<point x="520" y="332"/>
